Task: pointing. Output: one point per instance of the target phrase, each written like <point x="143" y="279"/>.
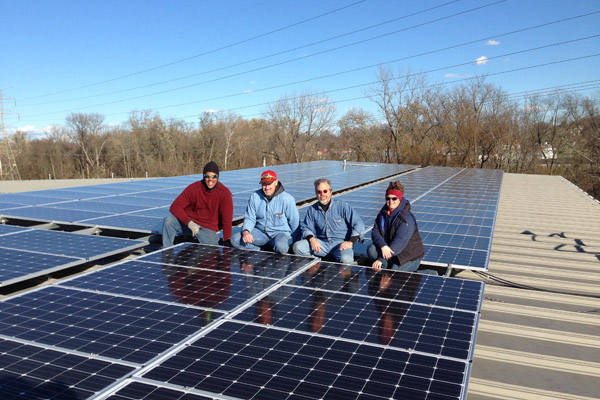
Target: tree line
<point x="473" y="124"/>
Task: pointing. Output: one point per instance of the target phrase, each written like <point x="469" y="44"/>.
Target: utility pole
<point x="8" y="163"/>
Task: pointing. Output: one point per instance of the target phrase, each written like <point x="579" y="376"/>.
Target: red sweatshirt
<point x="212" y="209"/>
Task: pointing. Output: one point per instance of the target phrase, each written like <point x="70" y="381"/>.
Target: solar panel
<point x="18" y="265"/>
<point x="121" y="328"/>
<point x="51" y="214"/>
<point x="248" y="361"/>
<point x="144" y="391"/>
<point x="125" y="222"/>
<point x="337" y="333"/>
<point x="110" y="205"/>
<point x="8" y="229"/>
<point x="28" y="253"/>
<point x="201" y="321"/>
<point x="88" y="247"/>
<point x="32" y="372"/>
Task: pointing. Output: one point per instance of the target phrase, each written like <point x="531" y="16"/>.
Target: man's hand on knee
<point x="194" y="227"/>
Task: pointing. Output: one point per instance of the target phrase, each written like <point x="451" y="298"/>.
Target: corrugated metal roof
<point x="539" y="334"/>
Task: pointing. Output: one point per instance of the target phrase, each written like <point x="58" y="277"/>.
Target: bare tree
<point x="57" y="136"/>
<point x="295" y="121"/>
<point x="361" y="135"/>
<point x="404" y="100"/>
<point x="86" y="130"/>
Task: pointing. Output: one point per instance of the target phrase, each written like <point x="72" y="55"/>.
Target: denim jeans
<point x="173" y="227"/>
<point x="332" y="249"/>
<point x="280" y="242"/>
<point x="392" y="263"/>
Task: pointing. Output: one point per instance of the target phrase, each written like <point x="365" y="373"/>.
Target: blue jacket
<point x="279" y="215"/>
<point x="400" y="232"/>
<point x="339" y="223"/>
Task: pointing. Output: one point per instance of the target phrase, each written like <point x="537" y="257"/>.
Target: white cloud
<point x="481" y="60"/>
<point x="452" y="75"/>
<point x="210" y="111"/>
<point x="248" y="91"/>
<point x="253" y="82"/>
<point x="492" y="43"/>
<point x="28" y="129"/>
<point x="507" y="59"/>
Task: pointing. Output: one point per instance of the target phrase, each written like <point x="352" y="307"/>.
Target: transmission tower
<point x="8" y="163"/>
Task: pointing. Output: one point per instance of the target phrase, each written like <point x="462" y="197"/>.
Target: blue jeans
<point x="332" y="249"/>
<point x="280" y="242"/>
<point x="173" y="227"/>
<point x="392" y="263"/>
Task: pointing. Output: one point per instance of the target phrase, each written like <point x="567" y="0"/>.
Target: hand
<point x="345" y="271"/>
<point x="247" y="237"/>
<point x="194" y="227"/>
<point x="385" y="281"/>
<point x="315" y="245"/>
<point x="387" y="252"/>
<point x="345" y="245"/>
<point x="247" y="266"/>
<point x="377" y="265"/>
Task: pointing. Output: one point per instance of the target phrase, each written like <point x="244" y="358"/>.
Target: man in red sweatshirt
<point x="202" y="209"/>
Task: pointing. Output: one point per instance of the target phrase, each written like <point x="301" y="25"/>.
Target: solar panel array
<point x="455" y="211"/>
<point x="140" y="206"/>
<point x="198" y="322"/>
<point x="204" y="322"/>
<point x="28" y="253"/>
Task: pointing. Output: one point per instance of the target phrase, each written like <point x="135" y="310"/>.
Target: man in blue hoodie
<point x="330" y="228"/>
<point x="271" y="217"/>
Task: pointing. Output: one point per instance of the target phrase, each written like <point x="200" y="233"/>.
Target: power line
<point x="205" y="53"/>
<point x="420" y="73"/>
<point x="251" y="60"/>
<point x="347" y="71"/>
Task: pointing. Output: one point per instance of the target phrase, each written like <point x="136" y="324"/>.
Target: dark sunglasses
<point x="323" y="191"/>
<point x="391" y="199"/>
<point x="206" y="176"/>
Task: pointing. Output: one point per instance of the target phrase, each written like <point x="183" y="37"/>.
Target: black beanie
<point x="211" y="166"/>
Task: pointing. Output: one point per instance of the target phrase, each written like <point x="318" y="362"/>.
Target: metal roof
<point x="539" y="334"/>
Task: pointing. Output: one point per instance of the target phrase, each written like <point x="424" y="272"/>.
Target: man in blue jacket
<point x="330" y="227"/>
<point x="271" y="217"/>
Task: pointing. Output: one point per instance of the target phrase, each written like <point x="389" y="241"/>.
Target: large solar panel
<point x="199" y="321"/>
<point x="28" y="252"/>
<point x="127" y="205"/>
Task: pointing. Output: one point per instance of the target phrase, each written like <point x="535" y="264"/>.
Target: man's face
<point x="269" y="188"/>
<point x="323" y="193"/>
<point x="211" y="179"/>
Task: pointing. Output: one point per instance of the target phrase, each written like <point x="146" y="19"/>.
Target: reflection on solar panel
<point x="127" y="205"/>
<point x="202" y="321"/>
<point x="28" y="252"/>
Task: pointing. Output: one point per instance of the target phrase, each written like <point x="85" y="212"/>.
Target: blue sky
<point x="180" y="58"/>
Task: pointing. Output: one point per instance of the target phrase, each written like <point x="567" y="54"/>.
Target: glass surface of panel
<point x="121" y="328"/>
<point x="47" y="213"/>
<point x="66" y="244"/>
<point x="31" y="372"/>
<point x="17" y="265"/>
<point x="249" y="361"/>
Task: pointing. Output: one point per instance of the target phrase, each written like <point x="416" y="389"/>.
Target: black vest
<point x="414" y="248"/>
